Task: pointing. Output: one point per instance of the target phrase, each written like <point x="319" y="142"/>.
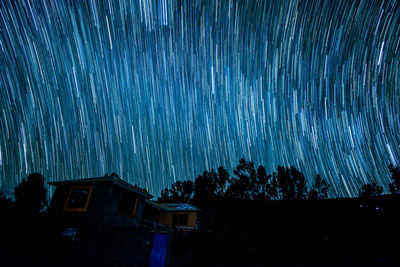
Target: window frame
<point x="122" y="213"/>
<point x="177" y="217"/>
<point x="71" y="189"/>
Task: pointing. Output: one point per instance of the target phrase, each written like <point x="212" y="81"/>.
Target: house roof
<point x="173" y="206"/>
<point x="108" y="178"/>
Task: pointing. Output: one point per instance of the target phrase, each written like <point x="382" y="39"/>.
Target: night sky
<point x="159" y="91"/>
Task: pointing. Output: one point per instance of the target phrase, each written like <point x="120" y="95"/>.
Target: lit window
<point x="78" y="198"/>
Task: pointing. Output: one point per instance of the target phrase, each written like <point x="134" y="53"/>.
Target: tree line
<point x="249" y="183"/>
<point x="246" y="183"/>
<point x="30" y="197"/>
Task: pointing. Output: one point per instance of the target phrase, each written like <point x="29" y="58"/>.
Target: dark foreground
<point x="346" y="232"/>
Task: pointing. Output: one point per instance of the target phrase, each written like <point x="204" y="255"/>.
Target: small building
<point x="181" y="216"/>
<point x="103" y="220"/>
<point x="97" y="201"/>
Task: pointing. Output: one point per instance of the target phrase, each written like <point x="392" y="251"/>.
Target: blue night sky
<point x="159" y="91"/>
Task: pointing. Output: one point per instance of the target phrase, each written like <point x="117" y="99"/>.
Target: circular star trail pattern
<point x="159" y="91"/>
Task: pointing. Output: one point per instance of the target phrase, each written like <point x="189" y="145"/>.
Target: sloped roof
<point x="173" y="206"/>
<point x="108" y="178"/>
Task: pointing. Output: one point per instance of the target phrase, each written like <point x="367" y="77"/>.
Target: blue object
<point x="158" y="250"/>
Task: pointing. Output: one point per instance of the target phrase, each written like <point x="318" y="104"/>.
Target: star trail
<point x="159" y="91"/>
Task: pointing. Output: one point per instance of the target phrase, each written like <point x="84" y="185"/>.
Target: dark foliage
<point x="208" y="186"/>
<point x="251" y="184"/>
<point x="30" y="195"/>
<point x="222" y="182"/>
<point x="244" y="182"/>
<point x="247" y="183"/>
<point x="6" y="205"/>
<point x="267" y="185"/>
<point x="205" y="187"/>
<point x="319" y="189"/>
<point x="370" y="190"/>
<point x="394" y="187"/>
<point x="291" y="183"/>
<point x="180" y="192"/>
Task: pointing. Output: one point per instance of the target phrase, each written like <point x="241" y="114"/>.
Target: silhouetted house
<point x="103" y="217"/>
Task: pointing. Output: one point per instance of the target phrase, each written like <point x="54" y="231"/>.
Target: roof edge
<point x="113" y="179"/>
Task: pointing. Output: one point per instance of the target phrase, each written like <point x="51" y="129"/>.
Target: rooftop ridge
<point x="107" y="178"/>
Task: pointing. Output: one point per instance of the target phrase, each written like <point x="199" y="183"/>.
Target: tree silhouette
<point x="30" y="195"/>
<point x="394" y="187"/>
<point x="211" y="185"/>
<point x="223" y="180"/>
<point x="291" y="183"/>
<point x="266" y="186"/>
<point x="205" y="187"/>
<point x="319" y="189"/>
<point x="6" y="205"/>
<point x="370" y="190"/>
<point x="244" y="183"/>
<point x="208" y="186"/>
<point x="247" y="183"/>
<point x="178" y="192"/>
